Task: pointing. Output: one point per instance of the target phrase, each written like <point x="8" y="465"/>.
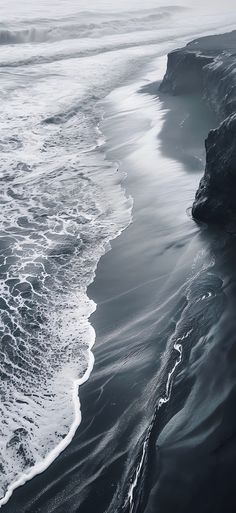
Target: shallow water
<point x="63" y="201"/>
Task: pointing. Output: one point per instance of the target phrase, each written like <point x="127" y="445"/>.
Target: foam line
<point x="41" y="467"/>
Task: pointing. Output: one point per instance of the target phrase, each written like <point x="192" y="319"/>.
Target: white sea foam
<point x="62" y="203"/>
<point x="51" y="249"/>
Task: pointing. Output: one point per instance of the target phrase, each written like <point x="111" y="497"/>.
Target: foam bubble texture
<point x="61" y="204"/>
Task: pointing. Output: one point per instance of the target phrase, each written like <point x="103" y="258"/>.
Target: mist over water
<point x="63" y="200"/>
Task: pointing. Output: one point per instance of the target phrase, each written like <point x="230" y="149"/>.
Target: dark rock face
<point x="208" y="66"/>
<point x="215" y="199"/>
<point x="184" y="72"/>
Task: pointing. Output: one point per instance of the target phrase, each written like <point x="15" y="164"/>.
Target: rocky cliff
<point x="208" y="66"/>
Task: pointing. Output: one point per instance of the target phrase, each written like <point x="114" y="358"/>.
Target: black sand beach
<point x="160" y="298"/>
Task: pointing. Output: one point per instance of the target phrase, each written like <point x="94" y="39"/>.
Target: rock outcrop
<point x="208" y="66"/>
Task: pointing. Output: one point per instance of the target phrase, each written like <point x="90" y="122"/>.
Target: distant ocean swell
<point x="41" y="31"/>
<point x="73" y="31"/>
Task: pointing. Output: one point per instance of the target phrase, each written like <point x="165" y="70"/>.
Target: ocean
<point x="89" y="170"/>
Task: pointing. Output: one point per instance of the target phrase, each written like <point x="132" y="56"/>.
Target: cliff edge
<point x="208" y="66"/>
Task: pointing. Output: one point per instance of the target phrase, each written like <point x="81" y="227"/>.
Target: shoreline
<point x="95" y="287"/>
<point x="114" y="324"/>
